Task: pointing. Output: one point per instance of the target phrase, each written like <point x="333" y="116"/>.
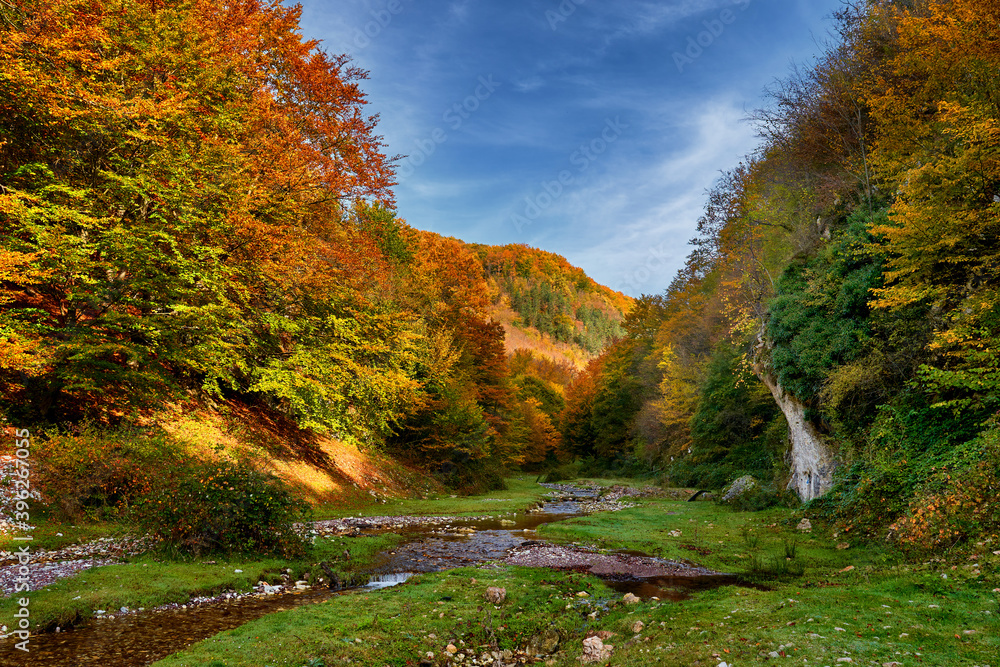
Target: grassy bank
<point x="147" y="581"/>
<point x="152" y="580"/>
<point x="815" y="603"/>
<point x="49" y="534"/>
<point x="521" y="492"/>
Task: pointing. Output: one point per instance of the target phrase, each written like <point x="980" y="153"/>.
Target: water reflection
<point x="135" y="640"/>
<point x="675" y="589"/>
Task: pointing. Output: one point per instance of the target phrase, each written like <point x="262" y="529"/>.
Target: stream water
<point x="138" y="639"/>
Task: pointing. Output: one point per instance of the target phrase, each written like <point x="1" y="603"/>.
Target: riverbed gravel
<point x="47" y="565"/>
<point x="9" y="497"/>
<point x="353" y="525"/>
<point x="568" y="557"/>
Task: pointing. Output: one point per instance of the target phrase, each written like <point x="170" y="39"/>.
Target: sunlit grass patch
<point x="521" y="492"/>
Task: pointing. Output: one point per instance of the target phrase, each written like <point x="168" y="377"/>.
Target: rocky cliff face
<point x="812" y="460"/>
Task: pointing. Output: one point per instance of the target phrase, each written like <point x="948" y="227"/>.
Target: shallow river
<point x="135" y="640"/>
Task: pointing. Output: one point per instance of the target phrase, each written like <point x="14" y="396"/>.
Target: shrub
<point x="958" y="504"/>
<point x="564" y="472"/>
<point x="868" y="494"/>
<point x="474" y="477"/>
<point x="224" y="507"/>
<point x="97" y="475"/>
<point x="761" y="497"/>
<point x="925" y="495"/>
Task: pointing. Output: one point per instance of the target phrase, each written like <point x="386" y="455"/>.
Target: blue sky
<point x="589" y="128"/>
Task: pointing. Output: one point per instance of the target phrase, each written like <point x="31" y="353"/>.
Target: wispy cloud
<point x="606" y="59"/>
<point x="529" y="84"/>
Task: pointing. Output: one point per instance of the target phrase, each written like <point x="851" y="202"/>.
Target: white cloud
<point x="528" y="84"/>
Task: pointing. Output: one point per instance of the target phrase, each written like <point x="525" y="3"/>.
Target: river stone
<point x="544" y="643"/>
<point x="738" y="488"/>
<point x="630" y="599"/>
<point x="594" y="650"/>
<point x="496" y="595"/>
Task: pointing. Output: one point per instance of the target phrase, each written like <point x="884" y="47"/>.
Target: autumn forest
<point x="197" y="217"/>
<point x="196" y="206"/>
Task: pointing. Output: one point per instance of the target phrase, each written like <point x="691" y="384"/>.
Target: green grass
<point x="154" y="579"/>
<point x="809" y="608"/>
<point x="521" y="493"/>
<point x="143" y="583"/>
<point x="404" y="623"/>
<point x="149" y="582"/>
<point x="360" y="554"/>
<point x="735" y="624"/>
<point x="712" y="535"/>
<point x="56" y="535"/>
<point x="882" y="607"/>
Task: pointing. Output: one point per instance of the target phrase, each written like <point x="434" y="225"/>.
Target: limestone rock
<point x="805" y="525"/>
<point x="544" y="643"/>
<point x="594" y="650"/>
<point x="637" y="627"/>
<point x="631" y="599"/>
<point x="496" y="595"/>
<point x="738" y="488"/>
<point x="810" y="458"/>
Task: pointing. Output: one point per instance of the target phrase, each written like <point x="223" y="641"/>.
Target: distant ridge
<point x="545" y="304"/>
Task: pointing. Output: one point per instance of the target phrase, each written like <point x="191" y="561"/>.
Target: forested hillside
<point x="195" y="207"/>
<point x="550" y="306"/>
<point x="836" y="326"/>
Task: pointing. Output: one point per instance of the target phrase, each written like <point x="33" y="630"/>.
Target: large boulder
<point x="594" y="650"/>
<point x="544" y="643"/>
<point x="739" y="488"/>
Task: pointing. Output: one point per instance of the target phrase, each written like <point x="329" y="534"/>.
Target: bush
<point x="97" y="475"/>
<point x="562" y="473"/>
<point x="474" y="478"/>
<point x="224" y="507"/>
<point x="925" y="494"/>
<point x="685" y="473"/>
<point x="623" y="466"/>
<point x="958" y="503"/>
<point x="761" y="497"/>
<point x="963" y="507"/>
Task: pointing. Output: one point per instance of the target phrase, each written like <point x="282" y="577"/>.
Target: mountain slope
<point x="549" y="306"/>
